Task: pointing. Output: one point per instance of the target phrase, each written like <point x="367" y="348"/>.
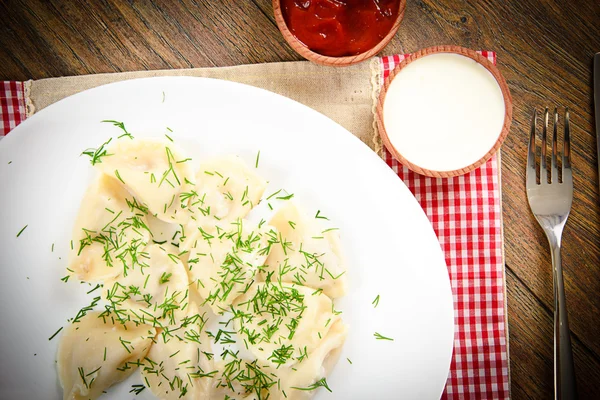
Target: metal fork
<point x="550" y="204"/>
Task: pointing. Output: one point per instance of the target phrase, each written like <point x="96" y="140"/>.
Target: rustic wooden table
<point x="545" y="50"/>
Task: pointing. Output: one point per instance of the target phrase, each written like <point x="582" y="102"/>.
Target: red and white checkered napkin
<point x="466" y="215"/>
<point x="12" y="105"/>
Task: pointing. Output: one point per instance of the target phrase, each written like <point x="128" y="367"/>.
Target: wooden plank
<point x="70" y="38"/>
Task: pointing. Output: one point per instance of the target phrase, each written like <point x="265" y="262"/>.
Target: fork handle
<point x="565" y="387"/>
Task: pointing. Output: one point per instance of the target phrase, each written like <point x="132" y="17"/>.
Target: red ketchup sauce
<point x="339" y="28"/>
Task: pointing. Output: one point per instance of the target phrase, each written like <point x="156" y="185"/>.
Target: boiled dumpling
<point x="155" y="292"/>
<point x="163" y="241"/>
<point x="179" y="365"/>
<point x="300" y="381"/>
<point x="155" y="172"/>
<point x="310" y="369"/>
<point x="308" y="254"/>
<point x="110" y="226"/>
<point x="96" y="352"/>
<point x="223" y="263"/>
<point x="283" y="323"/>
<point x="226" y="190"/>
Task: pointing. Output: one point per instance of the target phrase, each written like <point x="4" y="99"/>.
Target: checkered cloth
<point x="466" y="216"/>
<point x="12" y="105"/>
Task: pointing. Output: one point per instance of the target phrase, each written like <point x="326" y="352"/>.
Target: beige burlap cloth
<point x="346" y="95"/>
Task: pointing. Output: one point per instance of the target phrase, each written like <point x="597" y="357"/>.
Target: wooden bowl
<point x="317" y="58"/>
<point x="487" y="64"/>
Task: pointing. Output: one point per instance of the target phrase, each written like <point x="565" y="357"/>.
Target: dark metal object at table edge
<point x="597" y="104"/>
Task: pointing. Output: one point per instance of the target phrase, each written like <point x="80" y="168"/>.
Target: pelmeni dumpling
<point x="226" y="189"/>
<point x="155" y="172"/>
<point x="308" y="254"/>
<point x="179" y="365"/>
<point x="96" y="352"/>
<point x="110" y="227"/>
<point x="282" y="323"/>
<point x="297" y="382"/>
<point x="155" y="292"/>
<point x="310" y="369"/>
<point x="223" y="263"/>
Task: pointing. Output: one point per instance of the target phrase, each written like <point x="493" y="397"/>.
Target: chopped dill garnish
<point x="375" y="302"/>
<point x="82" y="375"/>
<point x="273" y="194"/>
<point x="121" y="126"/>
<point x="21" y="231"/>
<point x="119" y="176"/>
<point x="95" y="288"/>
<point x="320" y="383"/>
<point x="170" y="170"/>
<point x="125" y="343"/>
<point x="288" y="197"/>
<point x="165" y="278"/>
<point x="81" y="313"/>
<point x="319" y="216"/>
<point x="379" y="336"/>
<point x="55" y="333"/>
<point x="97" y="154"/>
<point x="137" y="389"/>
<point x="257" y="159"/>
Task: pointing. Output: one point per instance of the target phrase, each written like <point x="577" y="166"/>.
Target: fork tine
<point x="530" y="171"/>
<point x="553" y="166"/>
<point x="543" y="168"/>
<point x="567" y="145"/>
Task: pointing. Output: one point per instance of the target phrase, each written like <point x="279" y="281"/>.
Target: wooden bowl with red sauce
<point x="338" y="32"/>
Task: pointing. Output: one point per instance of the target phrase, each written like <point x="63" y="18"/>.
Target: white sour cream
<point x="443" y="112"/>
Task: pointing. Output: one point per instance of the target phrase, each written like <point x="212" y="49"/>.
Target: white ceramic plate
<point x="390" y="245"/>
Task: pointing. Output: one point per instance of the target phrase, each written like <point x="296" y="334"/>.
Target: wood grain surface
<point x="545" y="50"/>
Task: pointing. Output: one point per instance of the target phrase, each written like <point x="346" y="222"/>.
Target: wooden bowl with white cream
<point x="444" y="111"/>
